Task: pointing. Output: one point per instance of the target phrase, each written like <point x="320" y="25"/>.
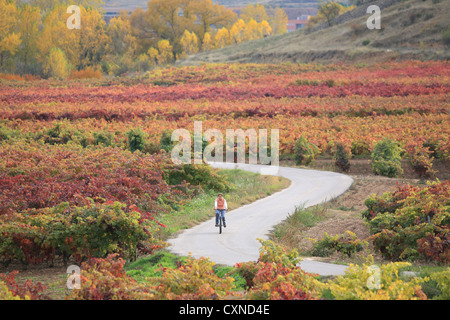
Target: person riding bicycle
<point x="220" y="205"/>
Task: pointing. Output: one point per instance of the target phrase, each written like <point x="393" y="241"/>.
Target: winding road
<point x="238" y="242"/>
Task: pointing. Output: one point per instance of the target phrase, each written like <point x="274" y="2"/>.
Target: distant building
<point x="298" y="23"/>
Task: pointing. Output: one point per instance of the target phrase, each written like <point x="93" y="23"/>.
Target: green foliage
<point x="165" y="142"/>
<point x="136" y="140"/>
<point x="442" y="280"/>
<point x="276" y="276"/>
<point x="411" y="223"/>
<point x="421" y="159"/>
<point x="346" y="243"/>
<point x="342" y="157"/>
<point x="305" y="152"/>
<point x="198" y="175"/>
<point x="95" y="230"/>
<point x="195" y="279"/>
<point x="446" y="36"/>
<point x="386" y="159"/>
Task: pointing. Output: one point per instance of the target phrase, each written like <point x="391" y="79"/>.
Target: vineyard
<point x="86" y="176"/>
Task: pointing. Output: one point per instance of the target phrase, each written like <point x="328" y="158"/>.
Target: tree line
<point x="35" y="39"/>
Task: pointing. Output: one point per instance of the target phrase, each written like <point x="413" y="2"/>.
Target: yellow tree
<point x="55" y="34"/>
<point x="169" y="20"/>
<point x="251" y="31"/>
<point x="165" y="50"/>
<point x="93" y="41"/>
<point x="209" y="14"/>
<point x="56" y="65"/>
<point x="9" y="37"/>
<point x="237" y="31"/>
<point x="278" y="21"/>
<point x="256" y="12"/>
<point x="222" y="38"/>
<point x="207" y="44"/>
<point x="120" y="34"/>
<point x="153" y="56"/>
<point x="29" y="22"/>
<point x="265" y="29"/>
<point x="189" y="43"/>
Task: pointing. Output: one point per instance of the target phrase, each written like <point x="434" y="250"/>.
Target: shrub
<point x="105" y="279"/>
<point x="420" y="159"/>
<point x="354" y="284"/>
<point x="193" y="280"/>
<point x="446" y="36"/>
<point x="411" y="223"/>
<point x="95" y="230"/>
<point x="386" y="159"/>
<point x="136" y="140"/>
<point x="346" y="243"/>
<point x="443" y="282"/>
<point x="197" y="175"/>
<point x="276" y="276"/>
<point x="88" y="73"/>
<point x="11" y="290"/>
<point x="341" y="157"/>
<point x="305" y="152"/>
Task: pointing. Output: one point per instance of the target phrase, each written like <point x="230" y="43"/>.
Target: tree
<point x="55" y="34"/>
<point x="29" y="22"/>
<point x="56" y="65"/>
<point x="329" y="10"/>
<point x="256" y="12"/>
<point x="222" y="38"/>
<point x="10" y="39"/>
<point x="237" y="31"/>
<point x="153" y="56"/>
<point x="278" y="21"/>
<point x="207" y="43"/>
<point x="189" y="43"/>
<point x="165" y="50"/>
<point x="120" y="35"/>
<point x="93" y="41"/>
<point x="210" y="14"/>
<point x="169" y="20"/>
<point x="265" y="29"/>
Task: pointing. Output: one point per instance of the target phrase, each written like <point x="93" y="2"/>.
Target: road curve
<point x="238" y="242"/>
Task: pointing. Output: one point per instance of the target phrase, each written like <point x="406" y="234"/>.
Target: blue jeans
<point x="221" y="213"/>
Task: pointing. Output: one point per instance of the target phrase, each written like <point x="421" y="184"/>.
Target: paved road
<point x="238" y="242"/>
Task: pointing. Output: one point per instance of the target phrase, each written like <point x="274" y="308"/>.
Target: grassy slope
<point x="410" y="29"/>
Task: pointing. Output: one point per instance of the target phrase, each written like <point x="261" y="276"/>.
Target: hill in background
<point x="411" y="29"/>
<point x="115" y="5"/>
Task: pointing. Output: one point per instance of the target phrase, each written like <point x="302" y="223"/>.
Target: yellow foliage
<point x="189" y="43"/>
<point x="358" y="283"/>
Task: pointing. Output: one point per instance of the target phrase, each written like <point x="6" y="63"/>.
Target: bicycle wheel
<point x="220" y="225"/>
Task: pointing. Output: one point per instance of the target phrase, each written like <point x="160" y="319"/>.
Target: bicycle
<point x="221" y="218"/>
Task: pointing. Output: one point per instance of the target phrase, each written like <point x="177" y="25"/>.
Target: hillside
<point x="410" y="29"/>
<point x="115" y="5"/>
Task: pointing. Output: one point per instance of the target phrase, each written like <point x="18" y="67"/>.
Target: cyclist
<point x="220" y="205"/>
